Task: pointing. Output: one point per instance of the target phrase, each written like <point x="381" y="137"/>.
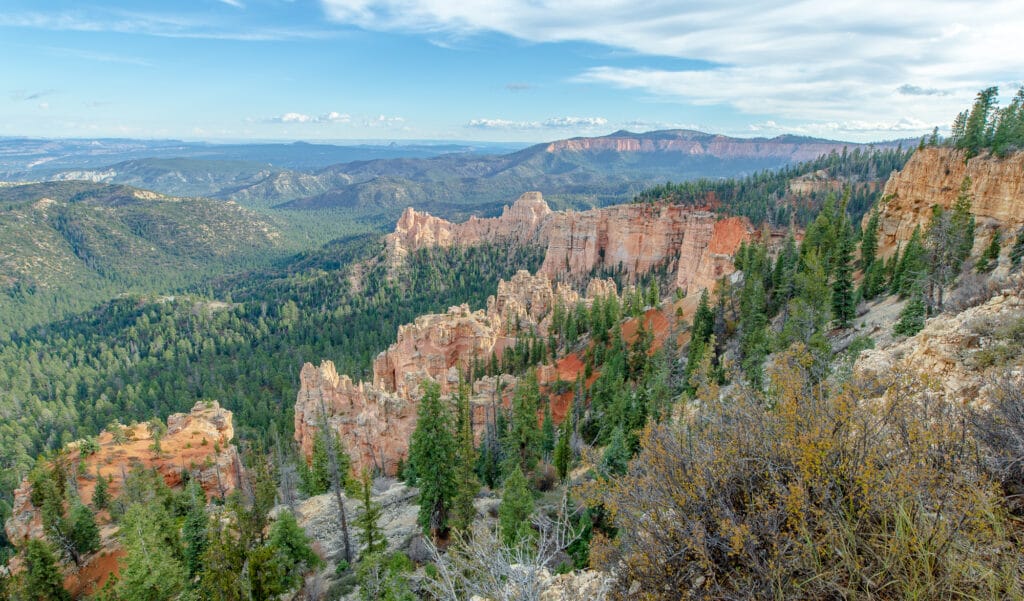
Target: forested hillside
<point x="798" y="191"/>
<point x="136" y="357"/>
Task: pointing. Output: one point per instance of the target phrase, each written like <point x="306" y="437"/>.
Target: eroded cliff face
<point x="933" y="177"/>
<point x="695" y="245"/>
<point x="197" y="442"/>
<point x="519" y="223"/>
<point x="375" y="419"/>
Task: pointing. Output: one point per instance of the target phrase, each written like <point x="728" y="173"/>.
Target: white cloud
<point x="331" y="117"/>
<point x="235" y="3"/>
<point x="861" y="61"/>
<point x="551" y="123"/>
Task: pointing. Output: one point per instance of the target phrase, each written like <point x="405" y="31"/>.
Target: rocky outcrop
<point x="519" y="223"/>
<point x="375" y="419"/>
<point x="961" y="353"/>
<point x="696" y="245"/>
<point x="933" y="177"/>
<point x="197" y="443"/>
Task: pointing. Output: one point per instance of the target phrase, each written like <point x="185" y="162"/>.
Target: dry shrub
<point x="545" y="477"/>
<point x="811" y="493"/>
<point x="1001" y="431"/>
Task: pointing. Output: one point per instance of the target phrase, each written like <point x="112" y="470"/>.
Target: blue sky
<point x="515" y="70"/>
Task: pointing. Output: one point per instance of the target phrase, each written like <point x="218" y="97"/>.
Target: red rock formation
<point x="198" y="442"/>
<point x="933" y="177"/>
<point x="519" y="223"/>
<point x="696" y="244"/>
<point x="375" y="419"/>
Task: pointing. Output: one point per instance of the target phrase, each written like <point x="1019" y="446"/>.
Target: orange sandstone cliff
<point x="933" y="176"/>
<point x="197" y="443"/>
<point x="375" y="419"/>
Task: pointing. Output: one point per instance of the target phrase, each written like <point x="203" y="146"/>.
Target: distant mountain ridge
<point x="454" y="181"/>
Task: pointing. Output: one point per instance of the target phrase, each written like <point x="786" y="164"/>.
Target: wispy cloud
<point x="552" y="123"/>
<point x="518" y="87"/>
<point x="157" y="25"/>
<point x="234" y="3"/>
<point x="331" y="117"/>
<point x="28" y="95"/>
<point x="842" y="61"/>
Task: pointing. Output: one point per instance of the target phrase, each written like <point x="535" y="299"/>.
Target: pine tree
<point x="194" y="530"/>
<point x="151" y="570"/>
<point x="368" y="523"/>
<point x="101" y="494"/>
<point x="292" y="546"/>
<point x="547" y="429"/>
<point x="963" y="223"/>
<point x="844" y="306"/>
<point x="85" y="536"/>
<point x="753" y="330"/>
<point x="912" y="316"/>
<point x="515" y="510"/>
<point x="615" y="460"/>
<point x="432" y="455"/>
<point x="990" y="258"/>
<point x="912" y="269"/>
<point x="43" y="580"/>
<point x="524" y="436"/>
<point x="463" y="510"/>
<point x="1017" y="252"/>
<point x="563" y="450"/>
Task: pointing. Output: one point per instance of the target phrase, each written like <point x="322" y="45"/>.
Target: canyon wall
<point x="695" y="245"/>
<point x="933" y="177"/>
<point x="375" y="419"/>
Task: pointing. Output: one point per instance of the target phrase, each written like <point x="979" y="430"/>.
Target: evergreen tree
<point x="432" y="455"/>
<point x="912" y="268"/>
<point x="151" y="570"/>
<point x="615" y="460"/>
<point x="753" y="330"/>
<point x="844" y="306"/>
<point x="317" y="479"/>
<point x="547" y="429"/>
<point x="963" y="223"/>
<point x="524" y="436"/>
<point x="194" y="530"/>
<point x="976" y="129"/>
<point x="85" y="536"/>
<point x="1017" y="252"/>
<point x="292" y="546"/>
<point x="101" y="494"/>
<point x="463" y="510"/>
<point x="563" y="450"/>
<point x="368" y="522"/>
<point x="912" y="316"/>
<point x="515" y="510"/>
<point x="868" y="254"/>
<point x="43" y="580"/>
<point x="990" y="258"/>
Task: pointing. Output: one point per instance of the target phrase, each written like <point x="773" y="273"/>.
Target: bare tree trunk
<point x="336" y="481"/>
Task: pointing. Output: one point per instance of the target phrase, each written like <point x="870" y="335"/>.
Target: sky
<point x="498" y="70"/>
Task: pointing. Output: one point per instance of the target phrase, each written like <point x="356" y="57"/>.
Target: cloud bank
<point x="863" y="62"/>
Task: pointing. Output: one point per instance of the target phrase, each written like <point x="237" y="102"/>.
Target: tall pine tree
<point x="432" y="457"/>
